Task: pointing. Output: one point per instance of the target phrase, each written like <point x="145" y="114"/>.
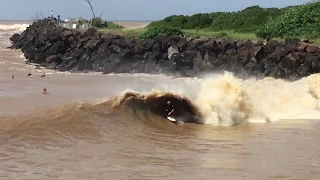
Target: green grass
<point x="124" y="31"/>
<point x="220" y="34"/>
<point x="129" y="32"/>
<point x="112" y="25"/>
<point x="317" y="41"/>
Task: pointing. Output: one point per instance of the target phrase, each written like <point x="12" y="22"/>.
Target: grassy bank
<point x="129" y="32"/>
<point x="252" y="22"/>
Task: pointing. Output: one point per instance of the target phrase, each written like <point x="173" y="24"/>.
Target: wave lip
<point x="156" y="103"/>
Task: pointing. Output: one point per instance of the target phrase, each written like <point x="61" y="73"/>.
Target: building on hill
<point x="75" y="23"/>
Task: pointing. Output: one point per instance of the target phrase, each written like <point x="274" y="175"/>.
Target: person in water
<point x="170" y="108"/>
<point x="44" y="91"/>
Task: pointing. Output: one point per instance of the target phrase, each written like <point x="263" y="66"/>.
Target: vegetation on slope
<point x="303" y="20"/>
<point x="291" y="21"/>
<point x="100" y="23"/>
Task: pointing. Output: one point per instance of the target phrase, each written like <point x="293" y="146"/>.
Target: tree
<point x="95" y="21"/>
<point x="88" y="3"/>
<point x="38" y="16"/>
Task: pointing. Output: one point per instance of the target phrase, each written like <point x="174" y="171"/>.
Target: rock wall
<point x="70" y="50"/>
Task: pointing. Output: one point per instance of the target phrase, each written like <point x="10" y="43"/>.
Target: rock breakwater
<point x="71" y="50"/>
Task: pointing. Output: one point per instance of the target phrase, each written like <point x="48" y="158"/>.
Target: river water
<point x="79" y="130"/>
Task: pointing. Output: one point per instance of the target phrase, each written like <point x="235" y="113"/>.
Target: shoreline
<point x="70" y="50"/>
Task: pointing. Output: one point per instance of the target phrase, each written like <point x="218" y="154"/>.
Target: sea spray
<point x="14" y="27"/>
<point x="224" y="100"/>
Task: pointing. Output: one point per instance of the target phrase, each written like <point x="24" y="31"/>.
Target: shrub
<point x="155" y="31"/>
<point x="185" y="22"/>
<point x="296" y="21"/>
<point x="245" y="21"/>
<point x="177" y="21"/>
<point x="99" y="23"/>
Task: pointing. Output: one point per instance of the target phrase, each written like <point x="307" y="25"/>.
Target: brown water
<point x="82" y="131"/>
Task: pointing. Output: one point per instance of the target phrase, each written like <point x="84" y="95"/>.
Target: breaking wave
<point x="220" y="100"/>
<point x="14" y="27"/>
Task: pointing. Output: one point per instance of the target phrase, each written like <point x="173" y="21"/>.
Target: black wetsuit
<point x="169" y="109"/>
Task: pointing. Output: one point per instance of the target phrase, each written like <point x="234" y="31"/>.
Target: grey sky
<point x="128" y="9"/>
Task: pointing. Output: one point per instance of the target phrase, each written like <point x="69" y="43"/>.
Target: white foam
<point x="14" y="27"/>
<point x="225" y="100"/>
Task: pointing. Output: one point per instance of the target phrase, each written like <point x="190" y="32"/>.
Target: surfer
<point x="45" y="91"/>
<point x="170" y="108"/>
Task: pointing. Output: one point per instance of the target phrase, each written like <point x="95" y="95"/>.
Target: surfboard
<point x="171" y="119"/>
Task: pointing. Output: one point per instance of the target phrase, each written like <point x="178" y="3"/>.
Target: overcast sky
<point x="128" y="9"/>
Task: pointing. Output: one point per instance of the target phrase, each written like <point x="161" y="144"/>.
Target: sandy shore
<point x="132" y="25"/>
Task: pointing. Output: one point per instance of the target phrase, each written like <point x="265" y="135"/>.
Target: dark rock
<point x="312" y="49"/>
<point x="315" y="66"/>
<point x="147" y="44"/>
<point x="244" y="43"/>
<point x="292" y="41"/>
<point x="182" y="44"/>
<point x="54" y="58"/>
<point x="156" y="47"/>
<point x="52" y="65"/>
<point x="15" y="38"/>
<point x="258" y="52"/>
<point x="291" y="61"/>
<point x="301" y="46"/>
<point x="71" y="50"/>
<point x="66" y="34"/>
<point x="272" y="46"/>
<point x="82" y="41"/>
<point x="91" y="32"/>
<point x="139" y="49"/>
<point x="92" y="44"/>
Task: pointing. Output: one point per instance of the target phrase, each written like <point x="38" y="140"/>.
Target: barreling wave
<point x="224" y="100"/>
<point x="128" y="110"/>
<point x="220" y="100"/>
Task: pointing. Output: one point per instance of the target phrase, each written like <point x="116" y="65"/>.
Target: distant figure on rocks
<point x="58" y="19"/>
<point x="52" y="13"/>
<point x="45" y="91"/>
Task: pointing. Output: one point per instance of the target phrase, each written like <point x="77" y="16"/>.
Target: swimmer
<point x="45" y="91"/>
